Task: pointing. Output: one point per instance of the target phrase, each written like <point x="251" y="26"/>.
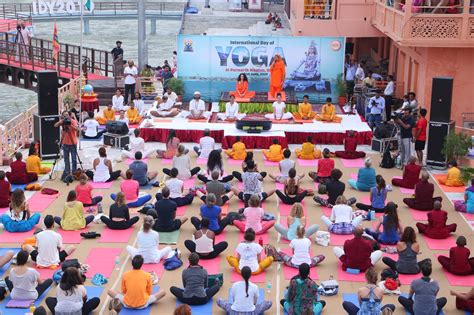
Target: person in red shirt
<point x="458" y="263"/>
<point x="465" y="301"/>
<point x="411" y="175"/>
<point x="18" y="174"/>
<point x="436" y="227"/>
<point x="423" y="199"/>
<point x="325" y="167"/>
<point x="357" y="253"/>
<point x="350" y="146"/>
<point x="69" y="128"/>
<point x="420" y="135"/>
<point x="5" y="191"/>
<point x="84" y="192"/>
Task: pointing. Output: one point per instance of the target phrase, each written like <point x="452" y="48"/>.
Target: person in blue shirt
<point x="365" y="177"/>
<point x="466" y="205"/>
<point x="211" y="212"/>
<point x="391" y="227"/>
<point x="378" y="196"/>
<point x="140" y="170"/>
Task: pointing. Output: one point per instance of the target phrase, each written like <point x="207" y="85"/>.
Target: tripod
<point x="22" y="46"/>
<point x="67" y="178"/>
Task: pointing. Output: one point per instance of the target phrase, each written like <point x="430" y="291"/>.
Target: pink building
<point x="419" y="40"/>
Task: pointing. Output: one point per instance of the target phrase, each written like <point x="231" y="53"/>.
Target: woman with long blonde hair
<point x="295" y="219"/>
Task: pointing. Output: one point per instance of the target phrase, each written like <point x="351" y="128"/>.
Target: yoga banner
<point x="211" y="64"/>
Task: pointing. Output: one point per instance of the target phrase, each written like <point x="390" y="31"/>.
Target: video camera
<point x="396" y="115"/>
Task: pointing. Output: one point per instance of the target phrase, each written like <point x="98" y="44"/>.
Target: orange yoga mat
<point x="449" y="189"/>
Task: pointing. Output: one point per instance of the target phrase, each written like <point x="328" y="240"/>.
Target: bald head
<point x="358" y="231"/>
<point x="437" y="205"/>
<point x="412" y="159"/>
<point x="425" y="176"/>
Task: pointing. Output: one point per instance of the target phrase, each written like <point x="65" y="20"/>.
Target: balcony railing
<point x="415" y="23"/>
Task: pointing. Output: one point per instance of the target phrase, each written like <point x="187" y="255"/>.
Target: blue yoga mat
<point x="22" y="187"/>
<point x="205" y="309"/>
<point x="145" y="311"/>
<point x="8" y="264"/>
<point x="94" y="291"/>
<point x="20" y="311"/>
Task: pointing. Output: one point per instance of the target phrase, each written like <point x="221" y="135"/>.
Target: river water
<point x="104" y="34"/>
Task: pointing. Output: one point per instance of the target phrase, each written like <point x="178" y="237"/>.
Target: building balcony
<point x="410" y="24"/>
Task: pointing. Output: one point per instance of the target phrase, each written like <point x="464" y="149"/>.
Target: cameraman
<point x="376" y="109"/>
<point x="406" y="124"/>
<point x="69" y="130"/>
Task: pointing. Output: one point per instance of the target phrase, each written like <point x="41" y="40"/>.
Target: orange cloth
<point x="136" y="288"/>
<point x="29" y="241"/>
<point x="132" y="115"/>
<point x="107" y="115"/>
<point x="33" y="165"/>
<point x="308" y="152"/>
<point x="328" y="113"/>
<point x="305" y="111"/>
<point x="242" y="90"/>
<point x="453" y="178"/>
<point x="274" y="153"/>
<point x="277" y="76"/>
<point x="237" y="152"/>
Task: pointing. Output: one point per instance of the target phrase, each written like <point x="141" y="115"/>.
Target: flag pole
<point x="80" y="71"/>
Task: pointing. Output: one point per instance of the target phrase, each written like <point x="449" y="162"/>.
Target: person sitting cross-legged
<point x="274" y="152"/>
<point x="453" y="178"/>
<point x="18" y="174"/>
<point x="238" y="151"/>
<point x="211" y="212"/>
<point x="411" y="175"/>
<point x="325" y="167"/>
<point x="328" y="112"/>
<point x="197" y="108"/>
<point x="301" y="247"/>
<point x="341" y="221"/>
<point x="292" y="191"/>
<point x="423" y="198"/>
<point x="165" y="213"/>
<point x="357" y="253"/>
<point x="294" y="220"/>
<point x="103" y="172"/>
<point x="137" y="143"/>
<point x="335" y="188"/>
<point x="206" y="145"/>
<point x="5" y="191"/>
<point x="305" y="110"/>
<point x="252" y="182"/>
<point x="119" y="215"/>
<point x="249" y="254"/>
<point x="133" y="114"/>
<point x="279" y="110"/>
<point x="231" y="111"/>
<point x="131" y="190"/>
<point x="466" y="205"/>
<point x="172" y="144"/>
<point x="182" y="162"/>
<point x="73" y="216"/>
<point x="108" y="114"/>
<point x="84" y="192"/>
<point x="436" y="227"/>
<point x="350" y="148"/>
<point x="464" y="301"/>
<point x="365" y="177"/>
<point x="214" y="163"/>
<point x="378" y="197"/>
<point x="390" y="224"/>
<point x="91" y="128"/>
<point x="137" y="287"/>
<point x="216" y="188"/>
<point x="140" y="170"/>
<point x="308" y="150"/>
<point x="176" y="187"/>
<point x="33" y="162"/>
<point x="459" y="261"/>
<point x="164" y="107"/>
<point x="245" y="297"/>
<point x="19" y="217"/>
<point x="284" y="166"/>
<point x="196" y="291"/>
<point x="203" y="242"/>
<point x="253" y="218"/>
<point x="249" y="157"/>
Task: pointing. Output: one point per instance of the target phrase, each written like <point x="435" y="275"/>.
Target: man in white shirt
<point x="130" y="73"/>
<point x="231" y="111"/>
<point x="136" y="144"/>
<point x="49" y="245"/>
<point x="206" y="145"/>
<point x="164" y="108"/>
<point x="411" y="103"/>
<point x="197" y="108"/>
<point x="360" y="74"/>
<point x="172" y="96"/>
<point x="388" y="95"/>
<point x="279" y="110"/>
<point x="376" y="109"/>
<point x="122" y="117"/>
<point x="91" y="128"/>
<point x="351" y="68"/>
<point x="117" y="101"/>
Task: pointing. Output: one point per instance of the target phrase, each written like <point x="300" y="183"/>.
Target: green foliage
<point x="341" y="87"/>
<point x="176" y="85"/>
<point x="251" y="108"/>
<point x="466" y="174"/>
<point x="68" y="99"/>
<point x="456" y="145"/>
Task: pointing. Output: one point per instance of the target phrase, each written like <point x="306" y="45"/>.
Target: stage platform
<point x="287" y="133"/>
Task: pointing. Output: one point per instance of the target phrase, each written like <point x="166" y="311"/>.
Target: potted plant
<point x="177" y="86"/>
<point x="68" y="100"/>
<point x="456" y="145"/>
<point x="341" y="89"/>
<point x="466" y="174"/>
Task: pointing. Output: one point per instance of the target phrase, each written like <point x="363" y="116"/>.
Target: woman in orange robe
<point x="242" y="87"/>
<point x="277" y="75"/>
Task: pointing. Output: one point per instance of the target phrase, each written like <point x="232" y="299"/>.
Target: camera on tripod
<point x="18" y="27"/>
<point x="396" y="115"/>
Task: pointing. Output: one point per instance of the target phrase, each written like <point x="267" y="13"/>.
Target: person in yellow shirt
<point x="108" y="115"/>
<point x="33" y="162"/>
<point x="328" y="113"/>
<point x="238" y="151"/>
<point x="137" y="287"/>
<point x="305" y="110"/>
<point x="308" y="150"/>
<point x="133" y="115"/>
<point x="453" y="178"/>
<point x="73" y="215"/>
<point x="274" y="153"/>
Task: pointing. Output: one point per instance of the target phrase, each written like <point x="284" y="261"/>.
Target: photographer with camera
<point x="376" y="108"/>
<point x="69" y="129"/>
<point x="22" y="40"/>
<point x="406" y="123"/>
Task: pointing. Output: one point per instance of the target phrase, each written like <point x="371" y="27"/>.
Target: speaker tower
<point x="47" y="89"/>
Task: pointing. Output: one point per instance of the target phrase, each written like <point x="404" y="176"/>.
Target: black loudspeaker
<point x="47" y="93"/>
<point x="47" y="135"/>
<point x="349" y="48"/>
<point x="437" y="132"/>
<point x="441" y="96"/>
<point x="116" y="127"/>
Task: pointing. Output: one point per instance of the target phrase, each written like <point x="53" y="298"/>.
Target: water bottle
<point x="117" y="262"/>
<point x="99" y="208"/>
<point x="269" y="287"/>
<point x="371" y="215"/>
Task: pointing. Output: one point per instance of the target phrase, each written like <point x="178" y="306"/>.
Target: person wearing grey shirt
<point x="217" y="188"/>
<point x="422" y="297"/>
<point x="195" y="290"/>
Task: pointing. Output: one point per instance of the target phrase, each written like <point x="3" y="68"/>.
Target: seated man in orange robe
<point x="238" y="151"/>
<point x="308" y="150"/>
<point x="132" y="114"/>
<point x="274" y="153"/>
<point x="277" y="75"/>
<point x="242" y="87"/>
<point x="453" y="178"/>
<point x="350" y="146"/>
<point x="328" y="113"/>
<point x="305" y="110"/>
<point x="108" y="115"/>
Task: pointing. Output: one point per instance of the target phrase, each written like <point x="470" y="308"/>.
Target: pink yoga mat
<point x="3" y="210"/>
<point x="270" y="163"/>
<point x="18" y="237"/>
<point x="46" y="273"/>
<point x="291" y="272"/>
<point x="338" y="240"/>
<point x="353" y="176"/>
<point x="345" y="276"/>
<point x="240" y="186"/>
<point x="257" y="238"/>
<point x="221" y="237"/>
<point x="180" y="211"/>
<point x="462" y="281"/>
<point x="407" y="279"/>
<point x="39" y="202"/>
<point x="201" y="161"/>
<point x="279" y="186"/>
<point x="130" y="161"/>
<point x="467" y="216"/>
<point x="418" y="215"/>
<point x="326" y="211"/>
<point x="234" y="162"/>
<point x="312" y="163"/>
<point x="115" y="236"/>
<point x="101" y="185"/>
<point x="435" y="244"/>
<point x="407" y="191"/>
<point x="353" y="163"/>
<point x="189" y="183"/>
<point x="211" y="265"/>
<point x="157" y="268"/>
<point x="71" y="237"/>
<point x="166" y="161"/>
<point x="260" y="278"/>
<point x="102" y="260"/>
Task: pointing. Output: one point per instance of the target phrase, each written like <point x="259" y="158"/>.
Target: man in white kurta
<point x="231" y="111"/>
<point x="279" y="110"/>
<point x="164" y="109"/>
<point x="197" y="108"/>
